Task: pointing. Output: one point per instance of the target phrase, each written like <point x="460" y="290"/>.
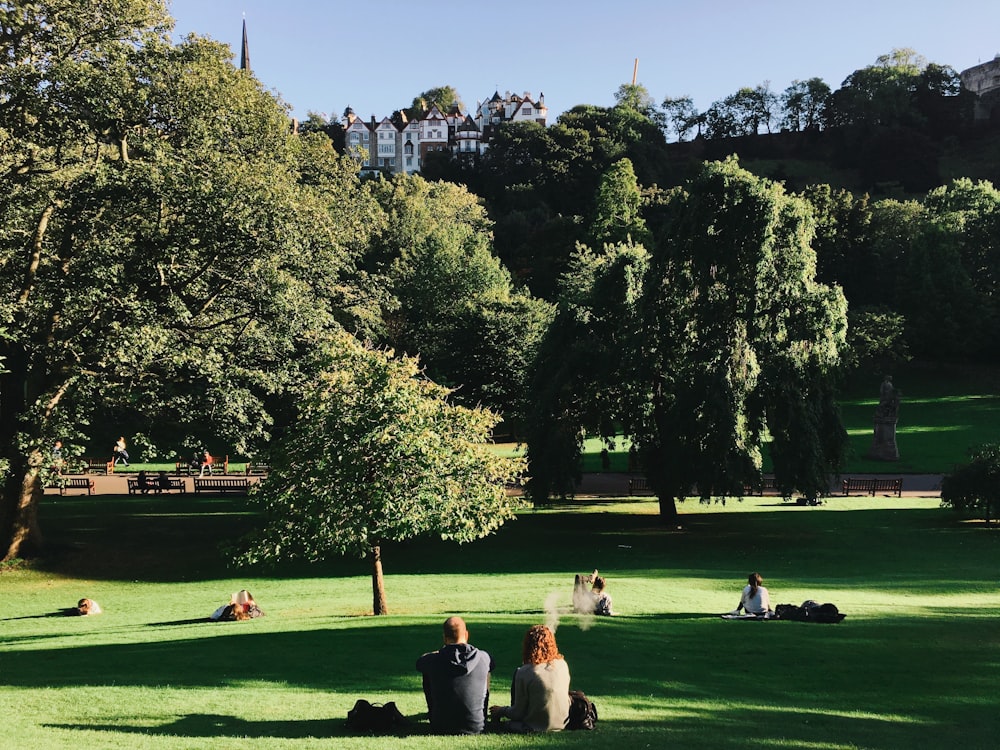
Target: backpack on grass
<point x="375" y="718"/>
<point x="582" y="711"/>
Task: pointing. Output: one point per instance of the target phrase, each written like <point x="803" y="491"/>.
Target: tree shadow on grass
<point x="220" y="725"/>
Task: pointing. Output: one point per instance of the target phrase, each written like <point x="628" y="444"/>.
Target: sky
<point x="325" y="55"/>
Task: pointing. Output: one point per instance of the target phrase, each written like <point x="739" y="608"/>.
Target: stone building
<point x="983" y="80"/>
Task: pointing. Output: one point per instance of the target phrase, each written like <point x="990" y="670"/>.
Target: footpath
<point x="598" y="484"/>
<point x="612" y="484"/>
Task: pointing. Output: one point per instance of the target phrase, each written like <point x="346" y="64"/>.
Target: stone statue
<point x="886" y="414"/>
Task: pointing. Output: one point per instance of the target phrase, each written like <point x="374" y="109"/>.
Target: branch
<point x="35" y="256"/>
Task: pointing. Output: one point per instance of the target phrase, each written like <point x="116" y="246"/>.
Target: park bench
<point x="638" y="485"/>
<point x="871" y="486"/>
<point x="767" y="484"/>
<point x="98" y="465"/>
<point x="222" y="485"/>
<point x="255" y="469"/>
<point x="219" y="466"/>
<point x="76" y="483"/>
<point x="153" y="485"/>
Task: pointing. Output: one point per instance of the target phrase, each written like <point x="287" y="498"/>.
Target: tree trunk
<point x="668" y="510"/>
<point x="24" y="535"/>
<point x="378" y="583"/>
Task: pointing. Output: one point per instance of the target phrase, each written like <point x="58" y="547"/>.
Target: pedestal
<point x="884" y="440"/>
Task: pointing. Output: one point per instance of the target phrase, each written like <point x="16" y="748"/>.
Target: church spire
<point x="245" y="52"/>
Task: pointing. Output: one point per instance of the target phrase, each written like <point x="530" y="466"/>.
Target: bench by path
<point x="153" y="485"/>
<point x="222" y="486"/>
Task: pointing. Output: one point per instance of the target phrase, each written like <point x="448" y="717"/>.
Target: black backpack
<point x="375" y="718"/>
<point x="582" y="711"/>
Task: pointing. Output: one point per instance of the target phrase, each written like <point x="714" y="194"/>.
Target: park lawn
<point x="945" y="411"/>
<point x="913" y="665"/>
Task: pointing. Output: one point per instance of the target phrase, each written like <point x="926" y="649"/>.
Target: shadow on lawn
<point x="219" y="725"/>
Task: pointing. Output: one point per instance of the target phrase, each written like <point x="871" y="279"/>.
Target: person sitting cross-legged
<point x="456" y="680"/>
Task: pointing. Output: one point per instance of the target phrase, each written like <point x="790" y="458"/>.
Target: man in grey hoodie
<point x="456" y="682"/>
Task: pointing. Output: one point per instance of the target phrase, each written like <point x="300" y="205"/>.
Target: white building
<point x="403" y="145"/>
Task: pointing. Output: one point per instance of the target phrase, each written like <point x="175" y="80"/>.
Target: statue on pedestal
<point x="886" y="414"/>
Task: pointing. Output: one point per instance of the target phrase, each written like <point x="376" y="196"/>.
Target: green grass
<point x="914" y="664"/>
<point x="945" y="411"/>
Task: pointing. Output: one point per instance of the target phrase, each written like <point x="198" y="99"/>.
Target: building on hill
<point x="396" y="144"/>
<point x="983" y="80"/>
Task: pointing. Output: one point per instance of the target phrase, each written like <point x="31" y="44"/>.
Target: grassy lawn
<point x="945" y="411"/>
<point x="914" y="664"/>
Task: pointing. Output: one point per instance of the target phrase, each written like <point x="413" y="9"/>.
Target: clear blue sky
<point x="325" y="55"/>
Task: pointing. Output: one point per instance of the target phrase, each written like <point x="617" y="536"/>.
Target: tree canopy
<point x="378" y="454"/>
<point x="167" y="248"/>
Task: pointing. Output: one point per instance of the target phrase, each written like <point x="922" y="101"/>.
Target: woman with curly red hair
<point x="540" y="690"/>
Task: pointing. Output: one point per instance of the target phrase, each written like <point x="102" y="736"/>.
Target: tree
<point x="804" y="104"/>
<point x="880" y="94"/>
<point x="681" y="116"/>
<point x="453" y="303"/>
<point x="443" y="97"/>
<point x="617" y="214"/>
<point x="975" y="487"/>
<point x="378" y="455"/>
<point x="717" y="337"/>
<point x="167" y="249"/>
<point x="741" y="341"/>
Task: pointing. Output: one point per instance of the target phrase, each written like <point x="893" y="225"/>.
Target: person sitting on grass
<point x="754" y="600"/>
<point x="456" y="681"/>
<point x="88" y="607"/>
<point x="539" y="694"/>
<point x="602" y="599"/>
<point x="241" y="607"/>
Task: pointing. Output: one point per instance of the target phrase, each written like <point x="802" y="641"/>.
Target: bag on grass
<point x="582" y="711"/>
<point x="376" y="718"/>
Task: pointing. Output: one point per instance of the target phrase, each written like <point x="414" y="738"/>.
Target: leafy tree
<point x="379" y="455"/>
<point x="717" y="337"/>
<point x="636" y="97"/>
<point x="742" y="113"/>
<point x="880" y="94"/>
<point x="167" y="249"/>
<point x="975" y="487"/>
<point x="803" y="104"/>
<point x="681" y="116"/>
<point x="443" y="97"/>
<point x="740" y="339"/>
<point x="436" y="250"/>
<point x="617" y="217"/>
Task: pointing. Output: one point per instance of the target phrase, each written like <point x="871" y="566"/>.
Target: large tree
<point x="721" y="337"/>
<point x="167" y="248"/>
<point x="378" y="454"/>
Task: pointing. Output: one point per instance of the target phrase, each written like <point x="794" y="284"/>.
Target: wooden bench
<point x="153" y="485"/>
<point x="638" y="485"/>
<point x="222" y="486"/>
<point x="219" y="466"/>
<point x="76" y="483"/>
<point x="98" y="465"/>
<point x="871" y="486"/>
<point x="255" y="469"/>
<point x="767" y="484"/>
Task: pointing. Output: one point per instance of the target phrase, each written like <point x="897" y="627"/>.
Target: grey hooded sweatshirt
<point x="457" y="688"/>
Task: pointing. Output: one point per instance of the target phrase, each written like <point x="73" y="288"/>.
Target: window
<point x="355" y="137"/>
<point x="526" y="110"/>
<point x="365" y="137"/>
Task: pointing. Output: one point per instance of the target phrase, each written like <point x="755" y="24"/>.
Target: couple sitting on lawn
<point x="456" y="681"/>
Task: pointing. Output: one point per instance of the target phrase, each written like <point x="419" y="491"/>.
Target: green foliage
<point x="377" y="455"/>
<point x="617" y="216"/>
<point x="168" y="251"/>
<point x="974" y="489"/>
